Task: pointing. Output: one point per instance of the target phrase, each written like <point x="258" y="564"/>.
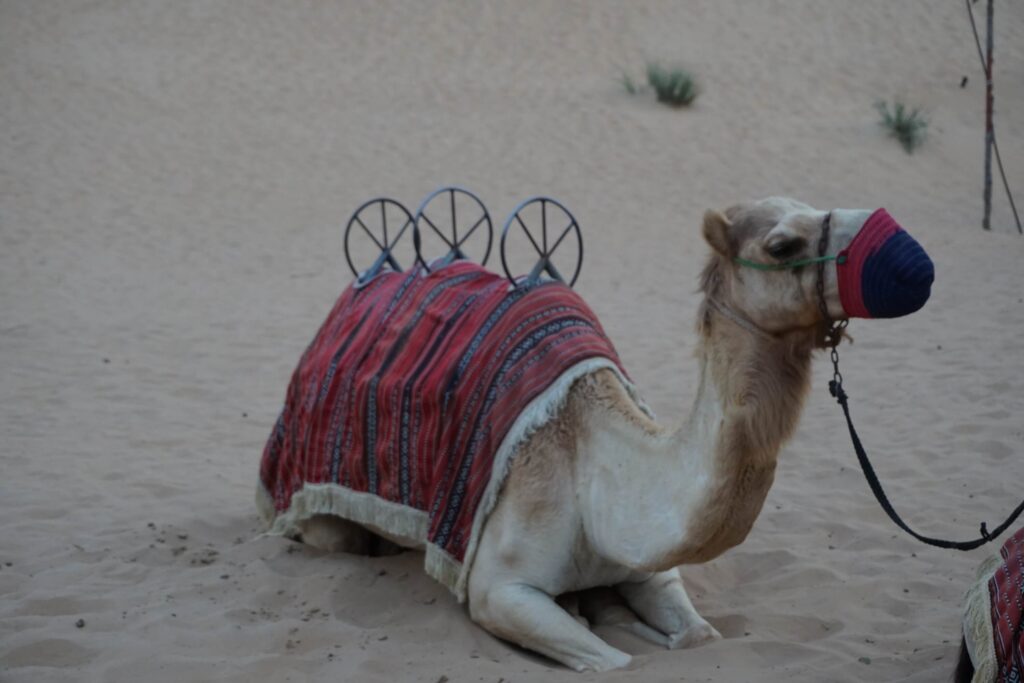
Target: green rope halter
<point x="789" y="265"/>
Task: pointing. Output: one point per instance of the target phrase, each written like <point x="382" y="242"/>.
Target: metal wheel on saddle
<point x="453" y="224"/>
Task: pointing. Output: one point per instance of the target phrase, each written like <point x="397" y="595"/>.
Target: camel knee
<point x="661" y="601"/>
<point x="500" y="609"/>
<point x="486" y="605"/>
<point x="530" y="617"/>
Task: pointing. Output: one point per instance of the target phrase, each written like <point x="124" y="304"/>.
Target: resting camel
<point x="602" y="495"/>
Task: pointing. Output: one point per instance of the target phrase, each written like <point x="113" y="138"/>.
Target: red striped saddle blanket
<point x="994" y="615"/>
<point x="406" y="407"/>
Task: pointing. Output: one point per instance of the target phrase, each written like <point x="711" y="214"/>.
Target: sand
<point x="174" y="178"/>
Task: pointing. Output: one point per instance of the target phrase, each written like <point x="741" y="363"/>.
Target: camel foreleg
<point x="605" y="607"/>
<point x="529" y="617"/>
<point x="662" y="602"/>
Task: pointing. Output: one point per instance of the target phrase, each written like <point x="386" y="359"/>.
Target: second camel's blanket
<point x="994" y="615"/>
<point x="405" y="409"/>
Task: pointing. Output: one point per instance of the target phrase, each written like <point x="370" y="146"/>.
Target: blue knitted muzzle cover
<point x="884" y="273"/>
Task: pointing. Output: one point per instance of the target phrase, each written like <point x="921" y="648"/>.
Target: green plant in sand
<point x="629" y="85"/>
<point x="674" y="86"/>
<point x="908" y="126"/>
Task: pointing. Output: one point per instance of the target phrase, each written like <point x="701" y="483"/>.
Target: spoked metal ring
<point x="455" y="241"/>
<point x="548" y="243"/>
<point x="372" y="222"/>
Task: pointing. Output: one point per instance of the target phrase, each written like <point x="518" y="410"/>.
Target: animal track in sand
<point x="757" y="566"/>
<point x="731" y="625"/>
<point x="783" y="653"/>
<point x="967" y="428"/>
<point x="789" y="628"/>
<point x="56" y="652"/>
<point x="60" y="606"/>
<point x="203" y="557"/>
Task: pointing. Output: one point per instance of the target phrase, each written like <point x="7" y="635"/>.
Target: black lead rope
<point x="833" y="335"/>
<point x="835" y="387"/>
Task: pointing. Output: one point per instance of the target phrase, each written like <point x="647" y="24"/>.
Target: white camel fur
<point x="603" y="496"/>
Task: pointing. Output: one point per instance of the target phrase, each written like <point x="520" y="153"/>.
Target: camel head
<point x="768" y="255"/>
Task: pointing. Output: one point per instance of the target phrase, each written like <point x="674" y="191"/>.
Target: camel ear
<point x="716" y="232"/>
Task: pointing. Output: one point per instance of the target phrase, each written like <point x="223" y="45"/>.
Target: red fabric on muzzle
<point x="884" y="272"/>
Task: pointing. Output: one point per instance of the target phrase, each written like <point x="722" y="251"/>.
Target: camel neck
<point x="695" y="492"/>
<point x="749" y="400"/>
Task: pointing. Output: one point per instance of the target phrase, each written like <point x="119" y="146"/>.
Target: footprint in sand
<point x="60" y="606"/>
<point x="731" y="625"/>
<point x="777" y="637"/>
<point x="55" y="652"/>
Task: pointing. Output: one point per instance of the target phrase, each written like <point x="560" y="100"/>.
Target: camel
<point x="602" y="495"/>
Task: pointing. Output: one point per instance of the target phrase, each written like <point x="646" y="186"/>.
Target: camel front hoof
<point x="610" y="662"/>
<point x="695" y="636"/>
<point x="620" y="660"/>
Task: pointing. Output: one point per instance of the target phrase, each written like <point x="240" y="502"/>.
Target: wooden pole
<point x="985" y="222"/>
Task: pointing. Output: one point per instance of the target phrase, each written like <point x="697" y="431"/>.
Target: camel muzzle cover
<point x="884" y="272"/>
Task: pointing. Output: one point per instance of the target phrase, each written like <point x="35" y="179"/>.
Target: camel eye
<point x="786" y="249"/>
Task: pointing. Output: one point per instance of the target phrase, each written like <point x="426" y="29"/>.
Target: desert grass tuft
<point x="629" y="85"/>
<point x="674" y="86"/>
<point x="908" y="126"/>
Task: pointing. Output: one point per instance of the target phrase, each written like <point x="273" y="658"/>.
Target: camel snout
<point x="884" y="272"/>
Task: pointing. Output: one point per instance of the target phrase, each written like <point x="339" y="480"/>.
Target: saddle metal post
<point x="385" y="243"/>
<point x="545" y="249"/>
<point x="457" y="236"/>
<point x="455" y="242"/>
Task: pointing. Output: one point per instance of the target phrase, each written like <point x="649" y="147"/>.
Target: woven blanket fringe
<point x="398" y="520"/>
<point x="977" y="623"/>
<point x="412" y="524"/>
